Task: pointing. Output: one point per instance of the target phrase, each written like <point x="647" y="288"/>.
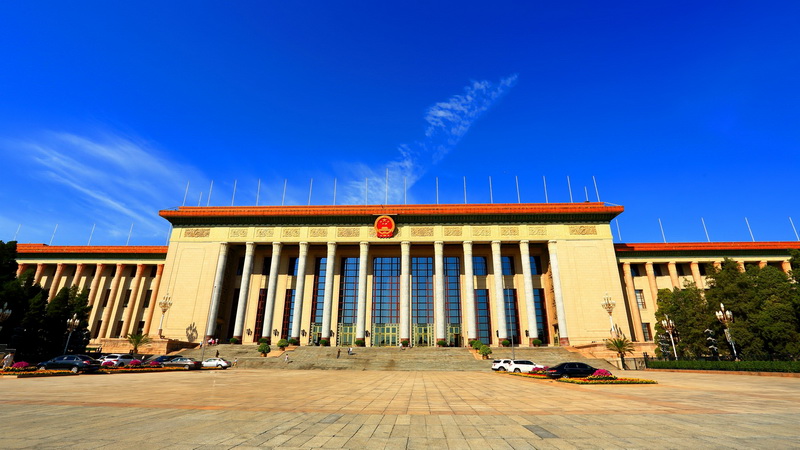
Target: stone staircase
<point x="387" y="358"/>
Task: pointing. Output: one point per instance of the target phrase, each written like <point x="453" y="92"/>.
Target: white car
<point x="523" y="366"/>
<point x="501" y="365"/>
<point x="216" y="362"/>
<point x="119" y="359"/>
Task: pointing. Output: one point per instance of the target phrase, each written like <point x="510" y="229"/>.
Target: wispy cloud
<point x="448" y="122"/>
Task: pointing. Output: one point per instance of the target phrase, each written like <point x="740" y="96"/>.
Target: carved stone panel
<point x="290" y="232"/>
<point x="537" y="231"/>
<point x="265" y="232"/>
<point x="318" y="232"/>
<point x="237" y="232"/>
<point x="481" y="231"/>
<point x="422" y="231"/>
<point x="197" y="232"/>
<point x="582" y="230"/>
<point x="348" y="232"/>
<point x="452" y="231"/>
<point x="509" y="231"/>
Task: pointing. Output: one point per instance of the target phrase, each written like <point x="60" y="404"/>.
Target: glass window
<point x="508" y="265"/>
<point x="288" y="314"/>
<point x="348" y="291"/>
<point x="292" y="267"/>
<point x="483" y="315"/>
<point x="317" y="302"/>
<point x="266" y="265"/>
<point x="657" y="270"/>
<point x="536" y="265"/>
<point x="512" y="315"/>
<point x="479" y="266"/>
<point x="452" y="289"/>
<point x="541" y="320"/>
<point x="422" y="290"/>
<point x="635" y="270"/>
<point x="648" y="336"/>
<point x="640" y="299"/>
<point x="385" y="290"/>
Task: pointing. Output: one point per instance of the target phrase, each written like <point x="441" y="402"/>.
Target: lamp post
<point x="669" y="326"/>
<point x="5" y="313"/>
<point x="165" y="303"/>
<point x="726" y="317"/>
<point x="609" y="305"/>
<point x="71" y="325"/>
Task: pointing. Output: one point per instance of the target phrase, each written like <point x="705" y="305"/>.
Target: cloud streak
<point x="447" y="123"/>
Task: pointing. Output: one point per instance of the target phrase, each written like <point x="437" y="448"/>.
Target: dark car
<point x="570" y="370"/>
<point x="186" y="363"/>
<point x="161" y="359"/>
<point x="73" y="363"/>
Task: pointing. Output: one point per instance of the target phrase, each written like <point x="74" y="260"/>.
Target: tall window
<point x="452" y="289"/>
<point x="541" y="320"/>
<point x="292" y="271"/>
<point x="266" y="265"/>
<point x="634" y="270"/>
<point x="646" y="334"/>
<point x="512" y="314"/>
<point x="536" y="265"/>
<point x="640" y="299"/>
<point x="147" y="296"/>
<point x="348" y="292"/>
<point x="127" y="298"/>
<point x="385" y="289"/>
<point x="262" y="302"/>
<point x="288" y="314"/>
<point x="317" y="302"/>
<point x="507" y="263"/>
<point x="483" y="315"/>
<point x="479" y="267"/>
<point x="422" y="290"/>
<point x="240" y="266"/>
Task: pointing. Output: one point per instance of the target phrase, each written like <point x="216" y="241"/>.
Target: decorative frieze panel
<point x="537" y="231"/>
<point x="197" y="232"/>
<point x="237" y="232"/>
<point x="290" y="232"/>
<point x="582" y="230"/>
<point x="348" y="232"/>
<point x="265" y="232"/>
<point x="509" y="231"/>
<point x="481" y="231"/>
<point x="422" y="231"/>
<point x="318" y="232"/>
<point x="452" y="231"/>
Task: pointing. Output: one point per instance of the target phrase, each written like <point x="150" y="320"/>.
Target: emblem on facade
<point x="384" y="227"/>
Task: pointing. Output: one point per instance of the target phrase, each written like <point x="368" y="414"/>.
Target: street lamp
<point x="669" y="326"/>
<point x="165" y="303"/>
<point x="71" y="325"/>
<point x="609" y="305"/>
<point x="5" y="313"/>
<point x="726" y="317"/>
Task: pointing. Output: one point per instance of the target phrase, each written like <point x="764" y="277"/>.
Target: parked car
<point x="501" y="365"/>
<point x="161" y="359"/>
<point x="73" y="363"/>
<point x="216" y="362"/>
<point x="523" y="365"/>
<point x="119" y="359"/>
<point x="570" y="370"/>
<point x="186" y="363"/>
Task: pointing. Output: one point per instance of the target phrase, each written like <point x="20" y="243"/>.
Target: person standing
<point x="286" y="358"/>
<point x="8" y="360"/>
<point x="338" y="352"/>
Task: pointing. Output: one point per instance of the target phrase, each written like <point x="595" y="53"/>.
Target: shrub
<point x="155" y="364"/>
<point x="325" y="342"/>
<point x="441" y="343"/>
<point x="20" y="365"/>
<point x="108" y="364"/>
<point x="135" y="363"/>
<point x="405" y="343"/>
<point x="294" y="341"/>
<point x="263" y="341"/>
<point x="747" y="366"/>
<point x="360" y="343"/>
<point x="536" y="342"/>
<point x="505" y="343"/>
<point x="282" y="344"/>
<point x="601" y="374"/>
<point x="476" y="344"/>
<point x="263" y="348"/>
<point x="234" y="341"/>
<point x="485" y="351"/>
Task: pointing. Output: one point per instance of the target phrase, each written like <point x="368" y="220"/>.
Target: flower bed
<point x="139" y="369"/>
<point x="599" y="377"/>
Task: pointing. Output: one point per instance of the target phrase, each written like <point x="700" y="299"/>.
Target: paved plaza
<point x="372" y="409"/>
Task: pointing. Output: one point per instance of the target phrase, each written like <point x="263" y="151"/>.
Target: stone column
<point x="762" y="264"/>
<point x="299" y="291"/>
<point x="272" y="286"/>
<point x="673" y="274"/>
<point x="21" y="268"/>
<point x="37" y="277"/>
<point x="438" y="291"/>
<point x="651" y="280"/>
<point x="76" y="280"/>
<point x="361" y="312"/>
<point x="786" y="266"/>
<point x="216" y="293"/>
<point x="244" y="290"/>
<point x="112" y="299"/>
<point x="633" y="306"/>
<point x="405" y="303"/>
<point x="469" y="293"/>
<point x="698" y="279"/>
<point x="154" y="300"/>
<point x="56" y="280"/>
<point x="327" y="304"/>
<point x="132" y="302"/>
<point x="527" y="278"/>
<point x="499" y="294"/>
<point x="563" y="335"/>
<point x="741" y="266"/>
<point x="95" y="308"/>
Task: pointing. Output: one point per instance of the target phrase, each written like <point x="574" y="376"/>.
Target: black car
<point x="73" y="363"/>
<point x="570" y="370"/>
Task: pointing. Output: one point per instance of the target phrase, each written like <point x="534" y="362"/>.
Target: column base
<point x="564" y="341"/>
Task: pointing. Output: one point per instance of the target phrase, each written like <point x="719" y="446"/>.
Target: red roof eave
<point x="705" y="246"/>
<point x="90" y="249"/>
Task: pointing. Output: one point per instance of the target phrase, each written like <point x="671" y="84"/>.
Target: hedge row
<point x="747" y="366"/>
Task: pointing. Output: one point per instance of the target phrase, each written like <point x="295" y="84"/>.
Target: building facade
<point x="385" y="274"/>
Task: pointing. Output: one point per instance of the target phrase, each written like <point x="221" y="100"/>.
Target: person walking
<point x="338" y="353"/>
<point x="8" y="360"/>
<point x="286" y="358"/>
<point x="235" y="362"/>
<point x="350" y="351"/>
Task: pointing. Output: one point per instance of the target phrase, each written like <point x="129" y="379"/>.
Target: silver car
<point x="216" y="362"/>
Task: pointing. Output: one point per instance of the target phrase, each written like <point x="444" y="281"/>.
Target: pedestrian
<point x="338" y="352"/>
<point x="216" y="341"/>
<point x="8" y="360"/>
<point x="350" y="350"/>
<point x="217" y="355"/>
<point x="235" y="362"/>
<point x="286" y="358"/>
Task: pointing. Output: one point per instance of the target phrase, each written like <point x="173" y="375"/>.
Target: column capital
<point x="524" y="242"/>
<point x="626" y="264"/>
<point x="331" y="245"/>
<point x="303" y="248"/>
<point x="438" y="243"/>
<point x="276" y="245"/>
<point x="496" y="242"/>
<point x="363" y="245"/>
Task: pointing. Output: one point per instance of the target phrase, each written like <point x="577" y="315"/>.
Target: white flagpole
<point x="596" y="191"/>
<point x="310" y="188"/>
<point x="54" y="235"/>
<point x="437" y="190"/>
<point x="334" y="191"/>
<point x="749" y="229"/>
<point x="234" y="192"/>
<point x="200" y="199"/>
<point x="185" y="194"/>
<point x="405" y="192"/>
<point x="129" y="235"/>
<point x="569" y="186"/>
<point x="20" y="226"/>
<point x="705" y="229"/>
<point x="491" y="194"/>
<point x="586" y="191"/>
<point x="283" y="198"/>
<point x="386" y="197"/>
<point x="516" y="180"/>
<point x="544" y="180"/>
<point x="793" y="228"/>
<point x="209" y="193"/>
<point x="619" y="234"/>
<point x="258" y="191"/>
<point x="465" y="190"/>
<point x="91" y="234"/>
<point x="366" y="191"/>
<point x="663" y="236"/>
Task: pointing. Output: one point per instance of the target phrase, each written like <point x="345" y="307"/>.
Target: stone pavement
<point x="350" y="409"/>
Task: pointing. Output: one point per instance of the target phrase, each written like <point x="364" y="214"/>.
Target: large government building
<point x="385" y="274"/>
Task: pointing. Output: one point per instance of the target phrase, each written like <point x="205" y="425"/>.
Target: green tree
<point x="622" y="346"/>
<point x="692" y="315"/>
<point x="137" y="340"/>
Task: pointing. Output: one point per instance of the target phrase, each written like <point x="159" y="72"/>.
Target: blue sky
<point x="680" y="110"/>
